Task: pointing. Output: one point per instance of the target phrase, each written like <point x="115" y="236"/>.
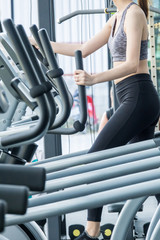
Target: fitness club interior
<point x="48" y="123"/>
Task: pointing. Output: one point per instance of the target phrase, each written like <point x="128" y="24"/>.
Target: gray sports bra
<point x="117" y="42"/>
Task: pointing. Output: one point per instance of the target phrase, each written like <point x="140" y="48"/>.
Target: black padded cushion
<point x="117" y="207"/>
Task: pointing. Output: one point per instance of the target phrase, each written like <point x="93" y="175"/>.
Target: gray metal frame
<point x="93" y="157"/>
<point x="66" y="202"/>
<point x="153" y="223"/>
<point x="122" y="225"/>
<point x="95" y="187"/>
<point x="96" y="11"/>
<point x="104" y="163"/>
<point x="156" y="232"/>
<point x="91" y="201"/>
<point x="102" y="174"/>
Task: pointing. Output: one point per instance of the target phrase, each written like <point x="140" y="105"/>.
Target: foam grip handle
<point x="49" y="53"/>
<point x="33" y="178"/>
<point x="78" y="59"/>
<point x="34" y="30"/>
<point x="81" y="90"/>
<point x="59" y="81"/>
<point x="16" y="198"/>
<point x="3" y="210"/>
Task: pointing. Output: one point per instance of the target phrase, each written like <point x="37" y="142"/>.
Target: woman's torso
<point x="143" y="64"/>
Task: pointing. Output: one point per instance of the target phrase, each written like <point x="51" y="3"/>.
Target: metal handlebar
<point x="35" y="133"/>
<point x="79" y="125"/>
<point x="80" y="12"/>
<point x="97" y="11"/>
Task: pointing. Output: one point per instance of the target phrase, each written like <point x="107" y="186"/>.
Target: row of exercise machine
<point x="69" y="183"/>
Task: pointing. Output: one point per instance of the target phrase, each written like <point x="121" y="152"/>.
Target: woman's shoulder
<point x="111" y="20"/>
<point x="135" y="11"/>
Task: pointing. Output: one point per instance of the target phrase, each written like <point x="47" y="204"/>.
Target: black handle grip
<point x="82" y="94"/>
<point x="48" y="50"/>
<point x="57" y="78"/>
<point x="16" y="198"/>
<point x="78" y="60"/>
<point x="78" y="125"/>
<point x="34" y="30"/>
<point x="33" y="178"/>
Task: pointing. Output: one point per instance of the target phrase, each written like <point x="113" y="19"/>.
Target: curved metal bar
<point x="153" y="223"/>
<point x="38" y="70"/>
<point x="81" y="90"/>
<point x="61" y="86"/>
<point x="156" y="232"/>
<point x="50" y="62"/>
<point x="79" y="12"/>
<point x="96" y="11"/>
<point x="126" y="217"/>
<point x="78" y="125"/>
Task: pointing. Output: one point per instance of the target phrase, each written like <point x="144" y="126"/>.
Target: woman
<point x="126" y="33"/>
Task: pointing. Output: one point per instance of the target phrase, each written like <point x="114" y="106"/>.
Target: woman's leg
<point x="118" y="131"/>
<point x="136" y="116"/>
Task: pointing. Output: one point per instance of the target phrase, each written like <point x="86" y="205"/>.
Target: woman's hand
<point x="33" y="42"/>
<point x="83" y="78"/>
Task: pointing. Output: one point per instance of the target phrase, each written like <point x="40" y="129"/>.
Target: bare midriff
<point x="142" y="68"/>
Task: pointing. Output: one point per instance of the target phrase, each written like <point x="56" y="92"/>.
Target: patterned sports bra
<point x="117" y="42"/>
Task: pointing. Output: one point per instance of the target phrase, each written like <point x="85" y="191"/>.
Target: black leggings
<point x="134" y="120"/>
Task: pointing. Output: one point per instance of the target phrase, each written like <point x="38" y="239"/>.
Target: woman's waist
<point x="142" y="69"/>
<point x="139" y="86"/>
<point x="132" y="81"/>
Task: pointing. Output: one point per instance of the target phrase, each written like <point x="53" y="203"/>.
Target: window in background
<point x="25" y="14"/>
<point x="75" y="30"/>
<point x="5" y="9"/>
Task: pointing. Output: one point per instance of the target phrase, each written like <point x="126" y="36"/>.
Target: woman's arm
<point x="87" y="48"/>
<point x="134" y="27"/>
<point x="100" y="39"/>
